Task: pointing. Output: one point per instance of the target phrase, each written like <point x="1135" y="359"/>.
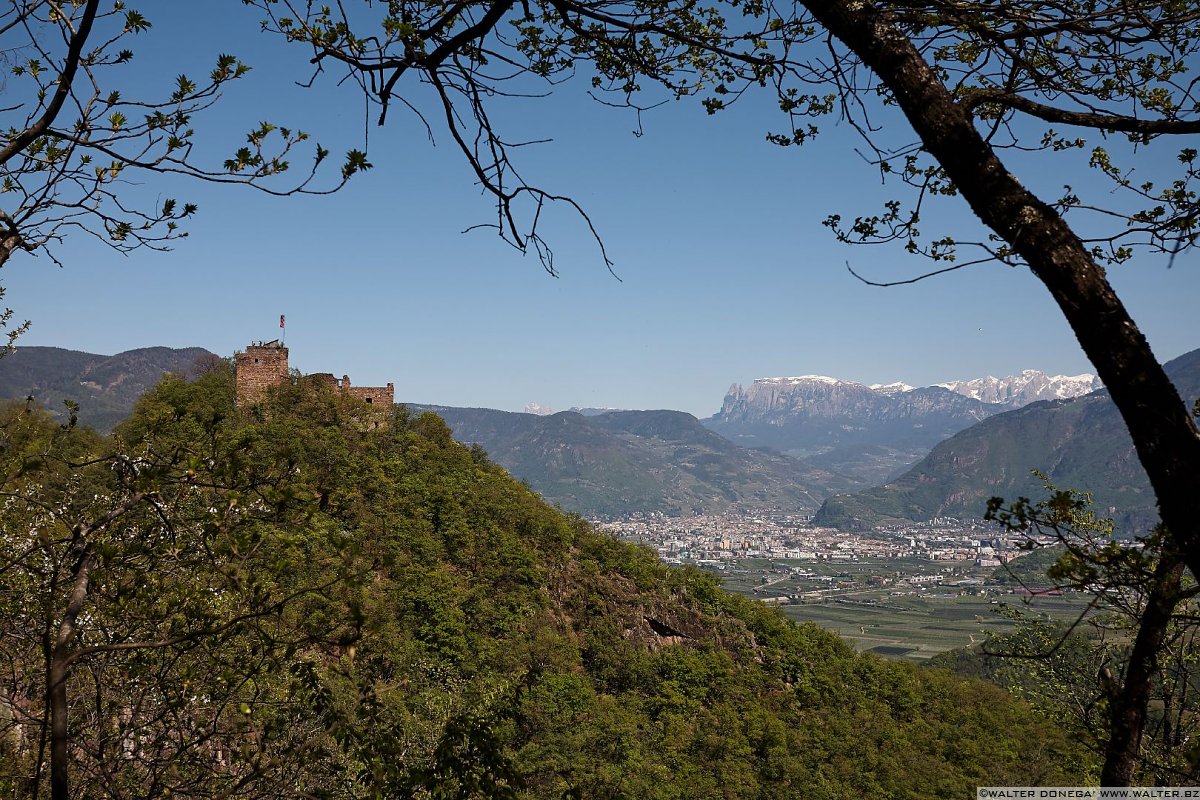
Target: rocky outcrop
<point x="812" y="415"/>
<point x="873" y="432"/>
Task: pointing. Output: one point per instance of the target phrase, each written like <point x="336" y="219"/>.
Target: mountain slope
<point x="106" y="387"/>
<point x="493" y="636"/>
<point x="1080" y="444"/>
<point x="620" y="462"/>
<point x="393" y="615"/>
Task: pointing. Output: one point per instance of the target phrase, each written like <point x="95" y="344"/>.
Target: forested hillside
<point x="104" y="387"/>
<point x="293" y="601"/>
<point x="615" y="463"/>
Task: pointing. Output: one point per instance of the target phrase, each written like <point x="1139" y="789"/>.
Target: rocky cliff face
<point x="820" y="396"/>
<point x="884" y="429"/>
<point x="808" y="395"/>
<point x="873" y="432"/>
<point x="774" y="400"/>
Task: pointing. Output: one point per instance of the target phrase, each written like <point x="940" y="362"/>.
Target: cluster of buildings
<point x="730" y="537"/>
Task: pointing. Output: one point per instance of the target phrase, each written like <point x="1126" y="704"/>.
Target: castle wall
<point x="265" y="365"/>
<point x="259" y="368"/>
<point x="323" y="379"/>
<point x="375" y="395"/>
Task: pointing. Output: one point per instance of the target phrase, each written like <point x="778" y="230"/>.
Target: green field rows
<point x="894" y="621"/>
<point x="931" y="626"/>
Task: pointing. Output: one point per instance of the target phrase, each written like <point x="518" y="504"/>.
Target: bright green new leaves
<point x="1126" y="671"/>
<point x="292" y="600"/>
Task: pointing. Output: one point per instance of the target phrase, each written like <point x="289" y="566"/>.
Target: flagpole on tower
<point x="283" y="330"/>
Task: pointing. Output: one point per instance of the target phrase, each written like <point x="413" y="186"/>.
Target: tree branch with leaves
<point x="71" y="139"/>
<point x="1136" y="700"/>
<point x="974" y="82"/>
<point x="146" y="584"/>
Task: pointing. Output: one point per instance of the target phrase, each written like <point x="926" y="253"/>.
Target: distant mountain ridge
<point x="1013" y="391"/>
<point x="1080" y="443"/>
<point x="817" y="416"/>
<point x="789" y="443"/>
<point x="587" y="411"/>
<point x="620" y="462"/>
<point x="106" y="387"/>
<point x="1029" y="386"/>
<point x="873" y="432"/>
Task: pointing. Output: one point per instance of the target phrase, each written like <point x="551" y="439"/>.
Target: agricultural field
<point x="918" y="628"/>
<point x="875" y="607"/>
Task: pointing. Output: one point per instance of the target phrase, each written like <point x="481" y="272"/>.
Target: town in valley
<point x="910" y="591"/>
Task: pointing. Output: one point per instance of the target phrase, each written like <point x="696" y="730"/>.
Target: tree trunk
<point x="1163" y="431"/>
<point x="1127" y="708"/>
<point x="56" y="697"/>
<point x="58" y="665"/>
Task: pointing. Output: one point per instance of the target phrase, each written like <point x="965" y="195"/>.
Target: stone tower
<point x="262" y="365"/>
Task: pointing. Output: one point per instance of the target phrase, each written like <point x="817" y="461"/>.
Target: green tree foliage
<point x="1124" y="676"/>
<point x="973" y="81"/>
<point x="144" y="579"/>
<point x="295" y="601"/>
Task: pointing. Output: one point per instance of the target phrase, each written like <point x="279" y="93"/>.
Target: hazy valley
<point x="862" y="455"/>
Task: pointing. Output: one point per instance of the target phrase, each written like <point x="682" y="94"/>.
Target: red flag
<point x="281" y="320"/>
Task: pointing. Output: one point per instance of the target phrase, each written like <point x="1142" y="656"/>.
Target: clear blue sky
<point x="726" y="273"/>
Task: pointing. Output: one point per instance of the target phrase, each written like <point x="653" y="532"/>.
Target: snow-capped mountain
<point x="868" y="430"/>
<point x="803" y="379"/>
<point x="1030" y="386"/>
<point x="538" y="409"/>
<point x="817" y="395"/>
<point x="822" y="395"/>
<point x="1080" y="441"/>
<point x="892" y="388"/>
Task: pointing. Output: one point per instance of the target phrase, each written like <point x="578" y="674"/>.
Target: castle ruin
<point x="265" y="364"/>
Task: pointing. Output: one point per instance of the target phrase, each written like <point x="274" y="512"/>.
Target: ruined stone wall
<point x="259" y="368"/>
<point x="375" y="395"/>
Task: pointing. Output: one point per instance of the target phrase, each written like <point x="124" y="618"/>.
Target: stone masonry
<point x="265" y="364"/>
<point x="373" y="395"/>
